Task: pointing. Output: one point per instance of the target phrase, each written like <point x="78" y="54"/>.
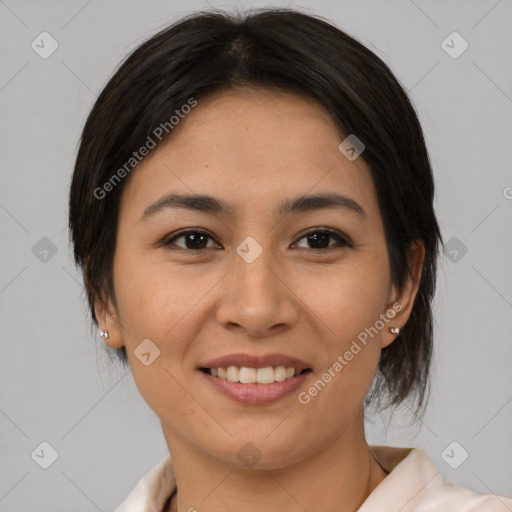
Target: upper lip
<point x="256" y="361"/>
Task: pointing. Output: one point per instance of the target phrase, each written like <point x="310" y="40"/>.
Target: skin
<point x="253" y="148"/>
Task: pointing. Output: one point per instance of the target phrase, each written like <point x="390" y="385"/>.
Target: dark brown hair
<point x="272" y="48"/>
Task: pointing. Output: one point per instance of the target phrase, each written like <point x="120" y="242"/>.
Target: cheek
<point x="154" y="305"/>
<point x="347" y="307"/>
<point x="155" y="298"/>
<point x="349" y="298"/>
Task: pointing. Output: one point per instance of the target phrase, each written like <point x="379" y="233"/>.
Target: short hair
<point x="211" y="51"/>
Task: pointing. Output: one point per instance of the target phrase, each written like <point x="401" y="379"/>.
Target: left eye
<point x="320" y="238"/>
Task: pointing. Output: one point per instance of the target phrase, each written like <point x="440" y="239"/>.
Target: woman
<point x="252" y="209"/>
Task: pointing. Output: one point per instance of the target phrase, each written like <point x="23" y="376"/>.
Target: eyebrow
<point x="208" y="204"/>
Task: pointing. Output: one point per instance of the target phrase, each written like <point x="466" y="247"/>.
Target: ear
<point x="106" y="316"/>
<point x="402" y="301"/>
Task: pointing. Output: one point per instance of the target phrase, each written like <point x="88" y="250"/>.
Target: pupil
<point x="320" y="237"/>
<point x="195" y="237"/>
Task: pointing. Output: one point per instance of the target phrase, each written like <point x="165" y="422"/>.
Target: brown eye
<point x="192" y="240"/>
<point x="320" y="239"/>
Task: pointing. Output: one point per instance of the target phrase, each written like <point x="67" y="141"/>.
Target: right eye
<point x="193" y="240"/>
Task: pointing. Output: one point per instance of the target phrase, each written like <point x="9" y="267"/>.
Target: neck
<point x="337" y="479"/>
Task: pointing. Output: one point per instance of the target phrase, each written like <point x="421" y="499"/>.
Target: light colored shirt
<point x="412" y="485"/>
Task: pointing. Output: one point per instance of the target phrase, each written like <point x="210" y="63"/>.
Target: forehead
<point x="251" y="147"/>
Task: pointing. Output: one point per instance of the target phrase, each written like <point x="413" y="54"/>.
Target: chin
<point x="259" y="452"/>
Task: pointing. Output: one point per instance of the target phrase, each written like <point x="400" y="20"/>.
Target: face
<point x="255" y="285"/>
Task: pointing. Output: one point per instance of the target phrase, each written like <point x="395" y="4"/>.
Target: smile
<point x="244" y="375"/>
<point x="255" y="392"/>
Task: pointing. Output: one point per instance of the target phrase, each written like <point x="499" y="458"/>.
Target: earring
<point x="395" y="330"/>
<point x="104" y="334"/>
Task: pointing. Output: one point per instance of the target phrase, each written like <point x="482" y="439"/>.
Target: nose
<point x="256" y="300"/>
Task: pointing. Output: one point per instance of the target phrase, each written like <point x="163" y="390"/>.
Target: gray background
<point x="56" y="382"/>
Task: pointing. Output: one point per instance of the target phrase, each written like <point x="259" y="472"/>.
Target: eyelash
<point x="342" y="240"/>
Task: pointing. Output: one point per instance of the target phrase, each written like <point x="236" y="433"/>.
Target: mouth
<point x="255" y="380"/>
<point x="265" y="376"/>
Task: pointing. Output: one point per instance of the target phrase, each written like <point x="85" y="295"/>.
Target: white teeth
<point x="244" y="375"/>
<point x="232" y="374"/>
<point x="247" y="375"/>
<point x="265" y="375"/>
<point x="280" y="373"/>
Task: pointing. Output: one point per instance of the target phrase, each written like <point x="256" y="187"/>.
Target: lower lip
<point x="256" y="393"/>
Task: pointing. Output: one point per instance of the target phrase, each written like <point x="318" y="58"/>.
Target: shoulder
<point x="152" y="490"/>
<point x="414" y="484"/>
<point x="452" y="497"/>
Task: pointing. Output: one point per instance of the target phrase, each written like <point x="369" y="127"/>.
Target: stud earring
<point x="104" y="334"/>
<point x="395" y="330"/>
